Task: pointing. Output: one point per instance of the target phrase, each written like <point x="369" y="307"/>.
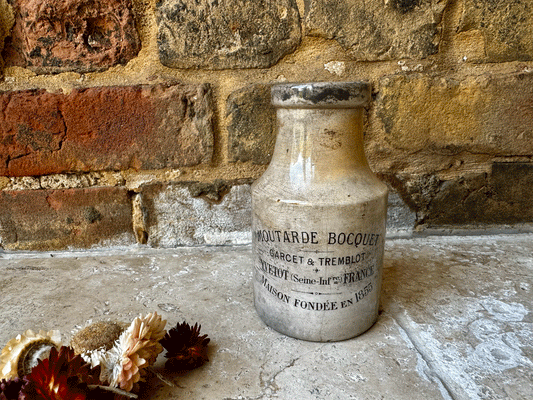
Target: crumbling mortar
<point x="214" y="192"/>
<point x="139" y="217"/>
<point x="513" y="158"/>
<point x="132" y="180"/>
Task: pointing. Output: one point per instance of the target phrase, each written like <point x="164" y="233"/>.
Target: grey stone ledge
<point x="456" y="319"/>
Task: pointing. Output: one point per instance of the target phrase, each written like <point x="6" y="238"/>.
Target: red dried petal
<point x="62" y="376"/>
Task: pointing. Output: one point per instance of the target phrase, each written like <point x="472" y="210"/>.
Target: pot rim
<point x="321" y="95"/>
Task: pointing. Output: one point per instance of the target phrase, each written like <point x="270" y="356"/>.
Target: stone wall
<point x="146" y="121"/>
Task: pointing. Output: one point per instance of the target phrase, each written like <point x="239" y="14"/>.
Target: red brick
<point x="54" y="36"/>
<point x="106" y="128"/>
<point x="57" y="219"/>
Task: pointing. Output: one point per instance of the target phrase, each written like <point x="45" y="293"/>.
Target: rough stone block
<point x="251" y="126"/>
<point x="54" y="36"/>
<point x="197" y="213"/>
<point x="505" y="26"/>
<point x="400" y="218"/>
<point x="511" y="184"/>
<point x="220" y="34"/>
<point x="483" y="114"/>
<point x="105" y="128"/>
<point x="378" y="30"/>
<point x="501" y="196"/>
<point x="7" y="20"/>
<point x="59" y="219"/>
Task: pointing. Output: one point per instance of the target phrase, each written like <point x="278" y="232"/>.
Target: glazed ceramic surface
<point x="319" y="217"/>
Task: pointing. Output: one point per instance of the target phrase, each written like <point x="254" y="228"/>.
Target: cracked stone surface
<point x="220" y="34"/>
<point x="501" y="27"/>
<point x="251" y="126"/>
<point x="500" y="196"/>
<point x="375" y="30"/>
<point x="197" y="213"/>
<point x="456" y="319"/>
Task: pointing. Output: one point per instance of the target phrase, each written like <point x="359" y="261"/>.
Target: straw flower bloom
<point x="23" y="352"/>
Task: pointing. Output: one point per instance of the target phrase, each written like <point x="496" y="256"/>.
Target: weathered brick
<point x="505" y="26"/>
<point x="54" y="36"/>
<point x="70" y="218"/>
<point x="488" y="114"/>
<point x="378" y="30"/>
<point x="197" y="213"/>
<point x="105" y="128"/>
<point x="219" y="34"/>
<point x="251" y="125"/>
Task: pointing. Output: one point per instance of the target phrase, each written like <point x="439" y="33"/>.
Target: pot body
<point x="318" y="217"/>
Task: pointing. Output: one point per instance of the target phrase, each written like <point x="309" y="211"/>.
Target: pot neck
<point x="319" y="144"/>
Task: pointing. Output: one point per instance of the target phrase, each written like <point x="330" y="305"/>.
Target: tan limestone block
<point x="478" y="114"/>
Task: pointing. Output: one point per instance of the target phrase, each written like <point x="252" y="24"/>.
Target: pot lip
<point x="321" y="94"/>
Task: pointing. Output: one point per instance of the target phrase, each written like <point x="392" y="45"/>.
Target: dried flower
<point x="137" y="348"/>
<point x="100" y="335"/>
<point x="62" y="376"/>
<point x="23" y="352"/>
<point x="12" y="389"/>
<point x="186" y="349"/>
<point x="143" y="336"/>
